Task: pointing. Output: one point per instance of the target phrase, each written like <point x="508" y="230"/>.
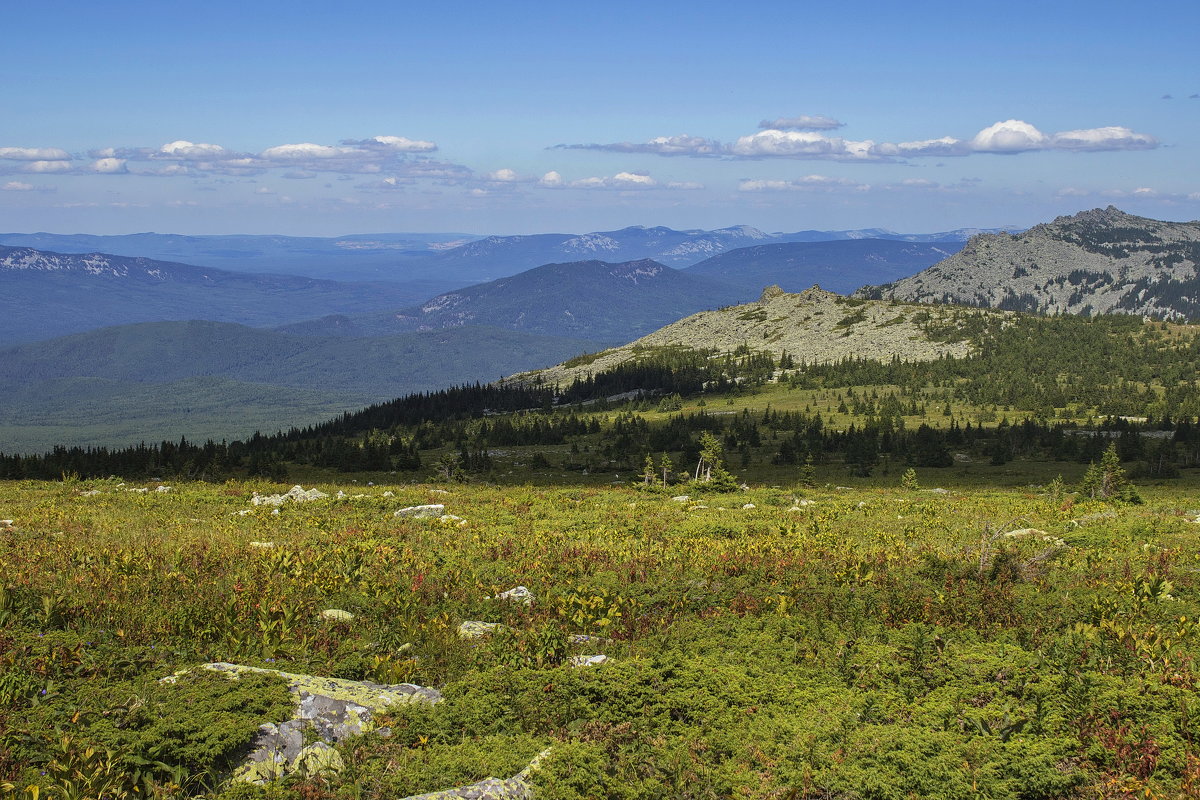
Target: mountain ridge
<point x="91" y="290"/>
<point x="1096" y="261"/>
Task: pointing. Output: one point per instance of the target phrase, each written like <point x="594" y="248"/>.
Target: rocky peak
<point x="769" y="293"/>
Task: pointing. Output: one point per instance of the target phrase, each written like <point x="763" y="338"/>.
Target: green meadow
<point x="879" y="641"/>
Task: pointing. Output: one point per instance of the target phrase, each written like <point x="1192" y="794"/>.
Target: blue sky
<point x="319" y="118"/>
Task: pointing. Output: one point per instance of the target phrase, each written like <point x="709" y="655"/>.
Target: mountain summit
<point x="1098" y="261"/>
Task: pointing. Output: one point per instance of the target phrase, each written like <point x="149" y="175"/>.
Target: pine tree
<point x="1107" y="481"/>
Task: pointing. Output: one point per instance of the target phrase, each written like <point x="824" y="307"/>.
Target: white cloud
<point x="800" y="138"/>
<point x="34" y="154"/>
<point x="1109" y="138"/>
<point x="400" y="144"/>
<point x="804" y="122"/>
<point x="304" y="150"/>
<point x="17" y="186"/>
<point x="1010" y="136"/>
<point x="681" y="145"/>
<point x="809" y="183"/>
<point x="945" y="146"/>
<point x="183" y="149"/>
<point x="503" y="176"/>
<point x="551" y="180"/>
<point x="108" y="166"/>
<point x="47" y="166"/>
<point x="787" y="143"/>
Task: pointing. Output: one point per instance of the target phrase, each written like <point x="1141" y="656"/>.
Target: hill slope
<point x="596" y="300"/>
<point x="52" y="294"/>
<point x="1097" y="261"/>
<point x="814" y="326"/>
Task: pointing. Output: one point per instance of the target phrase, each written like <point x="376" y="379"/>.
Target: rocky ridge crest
<point x="1097" y="261"/>
<point x="813" y="326"/>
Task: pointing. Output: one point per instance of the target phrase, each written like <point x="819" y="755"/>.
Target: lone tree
<point x="708" y="468"/>
<point x="1107" y="481"/>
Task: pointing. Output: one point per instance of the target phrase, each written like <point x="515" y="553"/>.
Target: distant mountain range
<point x="44" y="294"/>
<point x="1097" y="261"/>
<point x="615" y="303"/>
<point x="161" y="380"/>
<point x="612" y="303"/>
<point x="451" y="260"/>
<point x="357" y="257"/>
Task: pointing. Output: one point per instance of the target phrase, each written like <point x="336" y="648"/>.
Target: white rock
<point x="163" y="489"/>
<point x="421" y="512"/>
<point x="681" y="498"/>
<point x="587" y="661"/>
<point x="336" y="615"/>
<point x="516" y="593"/>
<point x="263" y="545"/>
<point x="748" y="506"/>
<point x="389" y="493"/>
<point x="296" y="494"/>
<point x="90" y="493"/>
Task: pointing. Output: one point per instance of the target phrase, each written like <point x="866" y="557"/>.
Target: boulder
<point x="332" y="709"/>
<point x="518" y="593"/>
<point x="474" y="629"/>
<point x="517" y="787"/>
<point x="421" y="512"/>
<point x="587" y="661"/>
<point x="336" y="615"/>
<point x="296" y="494"/>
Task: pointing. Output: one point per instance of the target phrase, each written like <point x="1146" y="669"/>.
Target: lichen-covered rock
<point x="517" y="787"/>
<point x="518" y="593"/>
<point x="588" y="661"/>
<point x="474" y="629"/>
<point x="296" y="494"/>
<point x="331" y="708"/>
<point x="336" y="615"/>
<point x="421" y="512"/>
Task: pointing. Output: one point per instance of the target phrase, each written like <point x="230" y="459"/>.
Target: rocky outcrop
<point x="329" y="709"/>
<point x="296" y="494"/>
<point x="1097" y="261"/>
<point x="813" y="326"/>
<point x="518" y="787"/>
<point x="431" y="511"/>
